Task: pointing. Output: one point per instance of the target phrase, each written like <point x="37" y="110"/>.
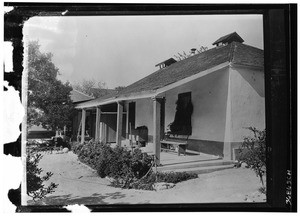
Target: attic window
<point x="165" y="63"/>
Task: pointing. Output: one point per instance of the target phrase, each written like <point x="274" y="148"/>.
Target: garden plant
<point x="127" y="169"/>
<point x="253" y="153"/>
<point x="35" y="180"/>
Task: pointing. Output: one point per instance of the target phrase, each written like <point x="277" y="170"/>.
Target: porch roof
<point x="77" y="96"/>
<point x="234" y="53"/>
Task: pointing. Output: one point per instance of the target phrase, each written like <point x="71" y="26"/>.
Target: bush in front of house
<point x="117" y="163"/>
<point x="126" y="169"/>
<point x="253" y="153"/>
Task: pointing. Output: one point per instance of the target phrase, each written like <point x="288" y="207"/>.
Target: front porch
<point x="191" y="162"/>
<point x="116" y="122"/>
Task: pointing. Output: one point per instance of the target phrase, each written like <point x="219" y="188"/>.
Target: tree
<point x="184" y="55"/>
<point x="49" y="102"/>
<point x="90" y="88"/>
<point x="119" y="88"/>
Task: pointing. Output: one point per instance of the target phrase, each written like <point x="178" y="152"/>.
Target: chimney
<point x="193" y="51"/>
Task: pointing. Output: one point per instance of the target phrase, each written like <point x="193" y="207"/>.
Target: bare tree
<point x="91" y="87"/>
<point x="184" y="55"/>
<point x="119" y="88"/>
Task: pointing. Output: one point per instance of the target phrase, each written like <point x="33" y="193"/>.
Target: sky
<point x="120" y="50"/>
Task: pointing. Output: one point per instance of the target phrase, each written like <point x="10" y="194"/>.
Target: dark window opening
<point x="182" y="124"/>
<point x="132" y="115"/>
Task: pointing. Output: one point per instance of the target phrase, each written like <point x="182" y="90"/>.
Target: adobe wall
<point x="209" y="96"/>
<point x="217" y="123"/>
<point x="247" y="102"/>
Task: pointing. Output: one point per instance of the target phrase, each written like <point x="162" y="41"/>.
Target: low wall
<point x="210" y="147"/>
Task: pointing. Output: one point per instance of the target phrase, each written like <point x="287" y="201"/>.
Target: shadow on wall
<point x="255" y="79"/>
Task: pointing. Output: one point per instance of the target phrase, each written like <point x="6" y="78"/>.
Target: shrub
<point x="169" y="177"/>
<point x="118" y="162"/>
<point x="128" y="169"/>
<point x="175" y="177"/>
<point x="35" y="187"/>
<point x="253" y="152"/>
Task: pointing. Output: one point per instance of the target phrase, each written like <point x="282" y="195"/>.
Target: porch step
<point x="196" y="165"/>
<point x="201" y="170"/>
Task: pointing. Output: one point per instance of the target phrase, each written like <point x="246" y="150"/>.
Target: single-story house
<point x="211" y="96"/>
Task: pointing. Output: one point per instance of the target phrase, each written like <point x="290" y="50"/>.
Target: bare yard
<point x="79" y="184"/>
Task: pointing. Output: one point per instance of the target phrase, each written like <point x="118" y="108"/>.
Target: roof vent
<point x="166" y="63"/>
<point x="227" y="39"/>
<point x="193" y="51"/>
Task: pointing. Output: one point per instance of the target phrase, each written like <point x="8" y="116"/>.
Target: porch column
<point x="101" y="132"/>
<point x="83" y="125"/>
<point x="127" y="120"/>
<point x="119" y="122"/>
<point x="156" y="128"/>
<point x="97" y="128"/>
<point x="105" y="138"/>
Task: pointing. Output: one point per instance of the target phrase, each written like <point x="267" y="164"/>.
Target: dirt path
<point x="79" y="184"/>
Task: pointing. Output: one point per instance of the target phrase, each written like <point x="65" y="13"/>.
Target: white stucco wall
<point x="209" y="96"/>
<point x="247" y="101"/>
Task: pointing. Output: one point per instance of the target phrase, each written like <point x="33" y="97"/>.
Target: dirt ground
<point x="79" y="184"/>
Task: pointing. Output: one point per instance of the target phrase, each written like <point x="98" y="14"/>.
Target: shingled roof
<point x="77" y="96"/>
<point x="236" y="53"/>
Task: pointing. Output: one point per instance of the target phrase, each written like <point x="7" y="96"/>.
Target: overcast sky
<point x="120" y="50"/>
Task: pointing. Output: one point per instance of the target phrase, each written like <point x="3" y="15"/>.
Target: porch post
<point x="156" y="128"/>
<point x="127" y="120"/>
<point x="101" y="131"/>
<point x="97" y="128"/>
<point x="119" y="122"/>
<point x="105" y="133"/>
<point x="83" y="125"/>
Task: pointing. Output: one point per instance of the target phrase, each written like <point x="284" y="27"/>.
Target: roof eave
<point x="154" y="93"/>
<point x="193" y="77"/>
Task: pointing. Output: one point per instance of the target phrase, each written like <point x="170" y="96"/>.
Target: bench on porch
<point x="173" y="141"/>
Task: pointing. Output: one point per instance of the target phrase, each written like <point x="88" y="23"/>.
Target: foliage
<point x="175" y="177"/>
<point x="91" y="88"/>
<point x="253" y="152"/>
<point x="168" y="177"/>
<point x="115" y="162"/>
<point x="185" y="55"/>
<point x="127" y="169"/>
<point x="262" y="190"/>
<point x="119" y="88"/>
<point x="49" y="102"/>
<point x="35" y="187"/>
